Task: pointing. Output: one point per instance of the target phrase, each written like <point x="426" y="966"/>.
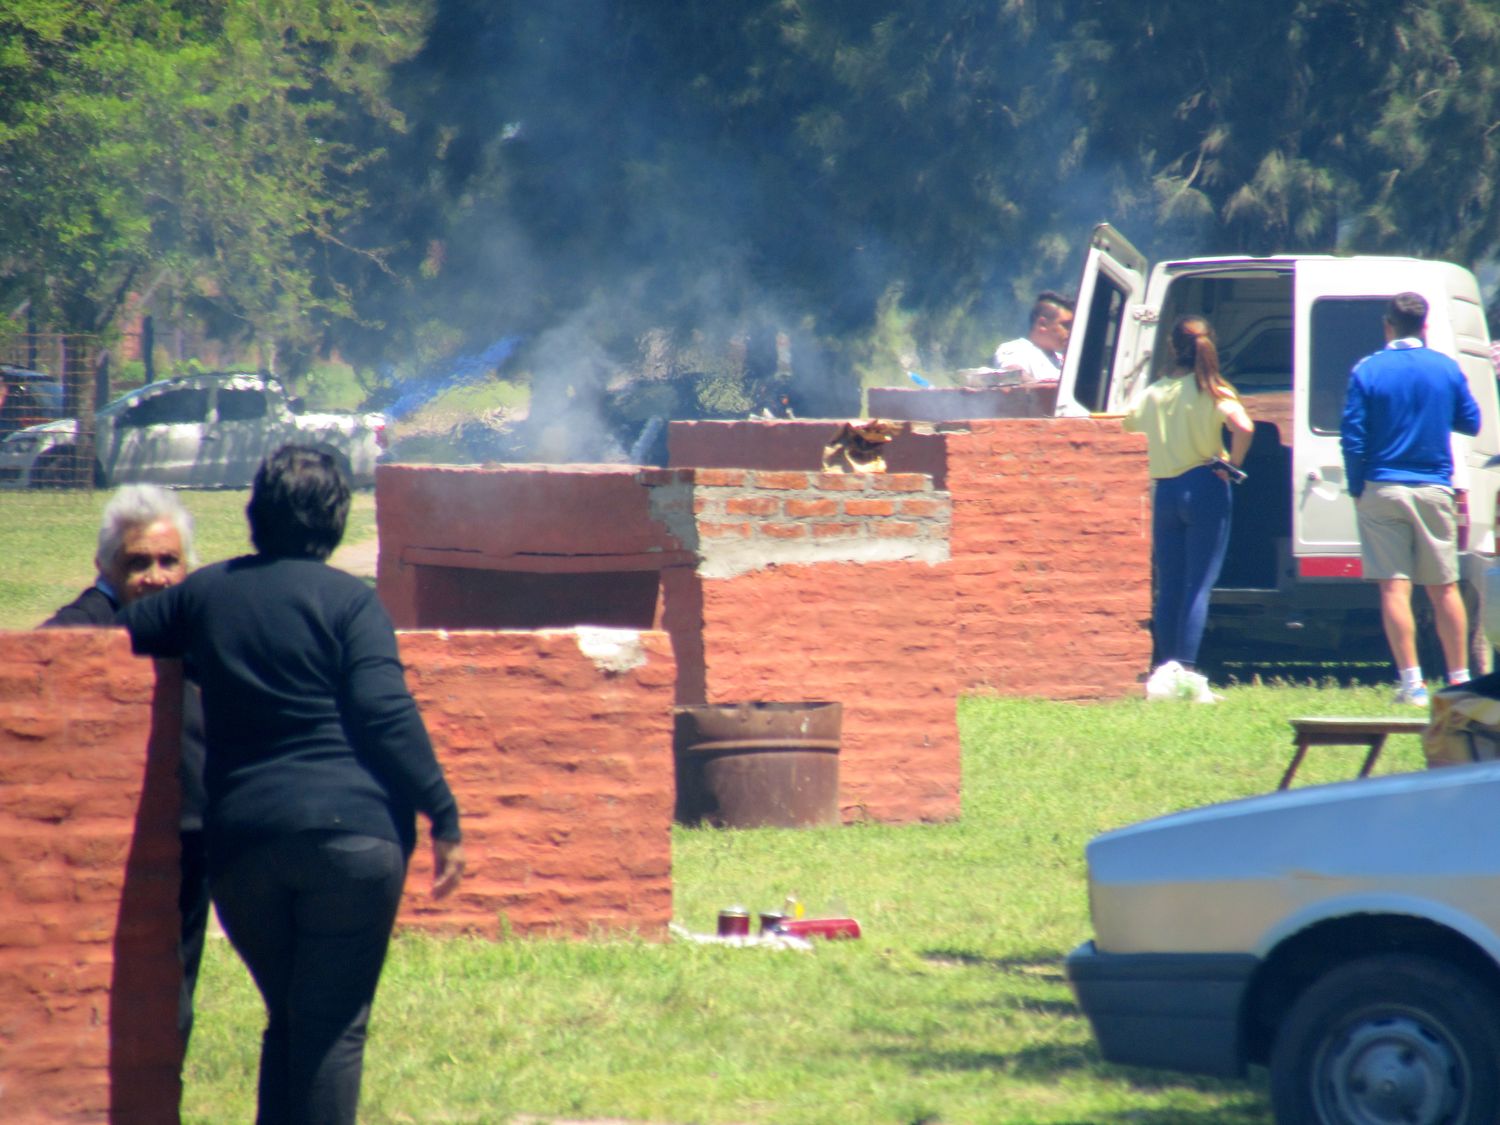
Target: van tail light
<point x="1461" y="503"/>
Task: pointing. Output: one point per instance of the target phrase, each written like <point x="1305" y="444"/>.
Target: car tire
<point x="1397" y="1037"/>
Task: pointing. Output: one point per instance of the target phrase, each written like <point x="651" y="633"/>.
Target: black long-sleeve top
<point x="308" y="722"/>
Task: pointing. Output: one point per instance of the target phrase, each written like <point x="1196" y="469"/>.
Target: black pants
<point x="311" y="914"/>
<point x="192" y="905"/>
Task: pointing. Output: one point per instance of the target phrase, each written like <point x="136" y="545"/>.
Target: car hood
<point x="1231" y="877"/>
<point x="61" y="426"/>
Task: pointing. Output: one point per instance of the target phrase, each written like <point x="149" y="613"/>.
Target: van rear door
<point x="1339" y="310"/>
<point x="1106" y="327"/>
<point x="1339" y="306"/>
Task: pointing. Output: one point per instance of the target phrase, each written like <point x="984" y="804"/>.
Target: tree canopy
<point x="407" y="178"/>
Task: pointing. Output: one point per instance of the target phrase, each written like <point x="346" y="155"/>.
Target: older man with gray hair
<point x="145" y="546"/>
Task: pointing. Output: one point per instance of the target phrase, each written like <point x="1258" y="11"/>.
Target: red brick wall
<point x="746" y="519"/>
<point x="88" y="882"/>
<point x="1051" y="543"/>
<point x="558" y="746"/>
<point x="878" y="638"/>
<point x="1052" y="557"/>
<point x="827" y="586"/>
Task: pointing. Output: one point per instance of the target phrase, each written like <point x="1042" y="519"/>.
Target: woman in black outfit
<point x="317" y="761"/>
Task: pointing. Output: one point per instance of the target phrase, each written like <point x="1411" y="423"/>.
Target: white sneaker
<point x="1193" y="687"/>
<point x="1163" y="681"/>
<point x="1412" y="696"/>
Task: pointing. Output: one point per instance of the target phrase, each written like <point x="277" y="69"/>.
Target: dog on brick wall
<point x="859" y="447"/>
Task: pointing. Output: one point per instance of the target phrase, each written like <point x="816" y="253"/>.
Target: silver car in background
<point x="195" y="431"/>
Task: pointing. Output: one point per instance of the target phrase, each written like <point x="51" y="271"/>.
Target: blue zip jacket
<point x="1402" y="406"/>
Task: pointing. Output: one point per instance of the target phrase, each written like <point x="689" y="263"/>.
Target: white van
<point x="1289" y="329"/>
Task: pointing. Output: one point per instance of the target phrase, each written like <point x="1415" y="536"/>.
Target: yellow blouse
<point x="1184" y="426"/>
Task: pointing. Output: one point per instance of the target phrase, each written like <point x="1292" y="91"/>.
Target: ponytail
<point x="1194" y="349"/>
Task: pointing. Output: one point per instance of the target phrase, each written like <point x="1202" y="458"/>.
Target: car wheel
<point x="1395" y="1038"/>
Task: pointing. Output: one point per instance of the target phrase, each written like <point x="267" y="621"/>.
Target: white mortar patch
<point x="729" y="558"/>
<point x="613" y="651"/>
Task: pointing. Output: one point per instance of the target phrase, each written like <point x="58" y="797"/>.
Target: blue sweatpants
<point x="1189" y="535"/>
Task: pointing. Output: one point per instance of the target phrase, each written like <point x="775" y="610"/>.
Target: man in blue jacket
<point x="1404" y="404"/>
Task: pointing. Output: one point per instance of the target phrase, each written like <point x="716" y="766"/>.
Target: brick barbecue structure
<point x="557" y="745"/>
<point x="1050" y="547"/>
<point x="773" y="585"/>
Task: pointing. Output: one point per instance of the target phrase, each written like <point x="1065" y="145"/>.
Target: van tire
<point x="1428" y="1031"/>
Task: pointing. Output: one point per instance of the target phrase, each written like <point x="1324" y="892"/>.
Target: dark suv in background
<point x="28" y="398"/>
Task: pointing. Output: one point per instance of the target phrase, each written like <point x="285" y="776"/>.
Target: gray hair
<point x="140" y="505"/>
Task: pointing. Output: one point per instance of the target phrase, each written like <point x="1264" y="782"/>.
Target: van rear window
<point x="1344" y="331"/>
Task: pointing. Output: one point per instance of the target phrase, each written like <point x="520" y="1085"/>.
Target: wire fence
<point x="57" y="378"/>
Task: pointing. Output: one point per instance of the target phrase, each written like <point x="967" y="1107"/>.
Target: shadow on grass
<point x="1049" y="1062"/>
<point x="1044" y="966"/>
<point x="1237" y="669"/>
<point x="1046" y="1061"/>
<point x="1219" y="1115"/>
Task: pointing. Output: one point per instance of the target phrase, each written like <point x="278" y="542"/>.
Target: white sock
<point x="1411" y="677"/>
<point x="1458" y="676"/>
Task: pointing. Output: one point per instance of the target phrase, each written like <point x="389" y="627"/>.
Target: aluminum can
<point x="734" y="922"/>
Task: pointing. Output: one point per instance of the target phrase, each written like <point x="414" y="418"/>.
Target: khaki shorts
<point x="1408" y="531"/>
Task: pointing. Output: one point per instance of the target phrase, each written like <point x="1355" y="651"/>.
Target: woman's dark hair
<point x="298" y="504"/>
<point x="1194" y="349"/>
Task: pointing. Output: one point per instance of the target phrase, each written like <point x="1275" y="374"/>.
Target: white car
<point x="196" y="431"/>
<point x="1347" y="936"/>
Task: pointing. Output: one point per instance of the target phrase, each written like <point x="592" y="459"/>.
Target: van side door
<point x="1106" y="326"/>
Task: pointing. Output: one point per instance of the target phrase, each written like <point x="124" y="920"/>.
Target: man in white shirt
<point x="1037" y="357"/>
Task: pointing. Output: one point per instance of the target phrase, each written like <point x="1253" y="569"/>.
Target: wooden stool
<point x="1370" y="733"/>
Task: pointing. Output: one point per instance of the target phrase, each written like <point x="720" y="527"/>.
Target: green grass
<point x="952" y="1008"/>
<point x="49" y="540"/>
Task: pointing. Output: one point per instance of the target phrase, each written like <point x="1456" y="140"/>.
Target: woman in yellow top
<point x="1183" y="417"/>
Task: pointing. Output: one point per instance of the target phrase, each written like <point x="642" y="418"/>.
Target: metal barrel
<point x="758" y="764"/>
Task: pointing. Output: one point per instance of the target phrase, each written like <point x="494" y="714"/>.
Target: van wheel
<point x="1397" y="1037"/>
